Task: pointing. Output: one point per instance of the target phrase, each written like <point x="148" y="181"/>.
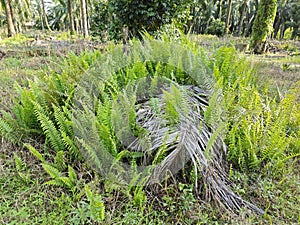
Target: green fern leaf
<point x="6" y="130"/>
<point x="59" y="160"/>
<point x="71" y="145"/>
<point x="35" y="152"/>
<point x="18" y="162"/>
<point x="65" y="125"/>
<point x="67" y="182"/>
<point x="91" y="153"/>
<point x="52" y="171"/>
<point x="72" y="174"/>
<point x="54" y="182"/>
<point x="88" y="193"/>
<point x="49" y="128"/>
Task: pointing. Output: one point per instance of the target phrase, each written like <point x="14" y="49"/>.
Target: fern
<point x="59" y="160"/>
<point x="6" y="130"/>
<point x="91" y="154"/>
<point x="71" y="146"/>
<point x="59" y="180"/>
<point x="258" y="124"/>
<point x="35" y="152"/>
<point x="49" y="128"/>
<point x="18" y="162"/>
<point x="23" y="111"/>
<point x="67" y="182"/>
<point x="72" y="174"/>
<point x="52" y="171"/>
<point x="63" y="121"/>
<point x="96" y="205"/>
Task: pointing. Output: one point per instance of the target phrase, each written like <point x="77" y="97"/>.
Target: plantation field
<point x="253" y="106"/>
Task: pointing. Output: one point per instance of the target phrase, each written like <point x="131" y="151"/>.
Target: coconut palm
<point x="84" y="18"/>
<point x="263" y="24"/>
<point x="23" y="13"/>
<point x="9" y="17"/>
<point x="228" y="15"/>
<point x="71" y="17"/>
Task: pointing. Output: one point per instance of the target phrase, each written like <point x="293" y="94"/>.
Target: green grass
<point x="19" y="39"/>
<point x="28" y="201"/>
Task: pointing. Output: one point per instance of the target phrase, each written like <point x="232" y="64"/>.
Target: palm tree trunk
<point x="228" y="17"/>
<point x="242" y="18"/>
<point x="84" y="19"/>
<point x="9" y="19"/>
<point x="263" y="24"/>
<point x="220" y="9"/>
<point x="45" y="15"/>
<point x="295" y="32"/>
<point x="71" y="18"/>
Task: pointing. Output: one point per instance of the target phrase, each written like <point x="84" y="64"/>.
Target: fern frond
<point x="49" y="128"/>
<point x="88" y="193"/>
<point x="71" y="146"/>
<point x="72" y="174"/>
<point x="96" y="204"/>
<point x="18" y="162"/>
<point x="6" y="130"/>
<point x="23" y="109"/>
<point x="64" y="123"/>
<point x="35" y="152"/>
<point x="91" y="154"/>
<point x="67" y="182"/>
<point x="52" y="171"/>
<point x="55" y="182"/>
<point x="59" y="160"/>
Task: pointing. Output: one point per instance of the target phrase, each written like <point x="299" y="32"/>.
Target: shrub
<point x="138" y="16"/>
<point x="216" y="28"/>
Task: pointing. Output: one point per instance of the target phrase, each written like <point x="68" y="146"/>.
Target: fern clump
<point x="261" y="129"/>
<point x="43" y="109"/>
<point x="143" y="117"/>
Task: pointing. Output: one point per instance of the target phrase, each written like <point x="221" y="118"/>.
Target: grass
<point x="281" y="73"/>
<point x="26" y="199"/>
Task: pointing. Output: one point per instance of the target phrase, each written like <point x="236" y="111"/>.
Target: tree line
<point x="20" y="15"/>
<point x="107" y="18"/>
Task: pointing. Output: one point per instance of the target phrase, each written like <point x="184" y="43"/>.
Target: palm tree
<point x="22" y="12"/>
<point x="263" y="24"/>
<point x="228" y="17"/>
<point x="243" y="11"/>
<point x="84" y="18"/>
<point x="45" y="18"/>
<point x="9" y="18"/>
<point x="71" y="19"/>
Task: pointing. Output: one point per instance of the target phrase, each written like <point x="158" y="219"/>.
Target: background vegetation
<point x="108" y="18"/>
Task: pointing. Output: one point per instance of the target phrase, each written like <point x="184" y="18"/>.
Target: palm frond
<point x="190" y="139"/>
